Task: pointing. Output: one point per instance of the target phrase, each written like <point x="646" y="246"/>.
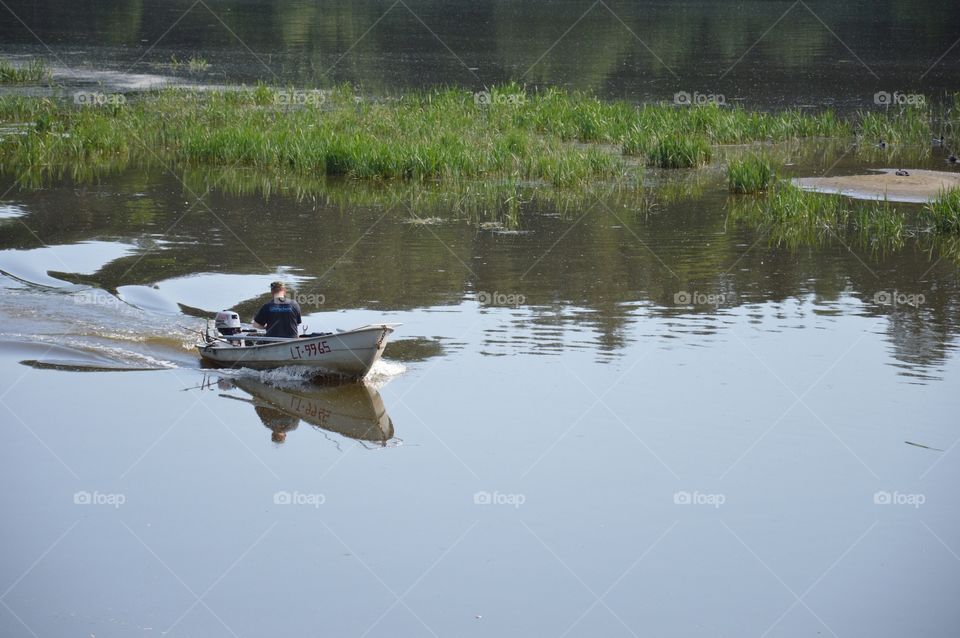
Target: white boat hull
<point x="348" y="354"/>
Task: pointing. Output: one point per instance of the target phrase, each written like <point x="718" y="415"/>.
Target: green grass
<point x="30" y="73"/>
<point x="943" y="213"/>
<point x="636" y="141"/>
<point x="195" y="64"/>
<point x="788" y="205"/>
<point x="752" y="174"/>
<point x="879" y="225"/>
<point x="909" y="125"/>
<point x="565" y="139"/>
<point x="796" y="217"/>
<point x="440" y="134"/>
<point x="677" y="150"/>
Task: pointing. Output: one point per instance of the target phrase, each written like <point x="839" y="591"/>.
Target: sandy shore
<point x="919" y="186"/>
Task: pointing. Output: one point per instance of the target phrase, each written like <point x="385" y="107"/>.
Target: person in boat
<point x="281" y="316"/>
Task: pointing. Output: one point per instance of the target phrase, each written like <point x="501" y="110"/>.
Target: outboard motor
<point x="228" y="323"/>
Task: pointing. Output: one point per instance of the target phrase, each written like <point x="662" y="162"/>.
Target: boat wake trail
<point x="40" y="353"/>
<point x="384" y="371"/>
<point x="87" y="329"/>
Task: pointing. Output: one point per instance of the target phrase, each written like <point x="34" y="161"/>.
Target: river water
<point x="599" y="417"/>
<point x="759" y="53"/>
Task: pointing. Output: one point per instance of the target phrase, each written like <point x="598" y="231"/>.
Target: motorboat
<point x="344" y="354"/>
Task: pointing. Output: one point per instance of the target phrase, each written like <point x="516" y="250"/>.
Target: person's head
<point x="278" y="289"/>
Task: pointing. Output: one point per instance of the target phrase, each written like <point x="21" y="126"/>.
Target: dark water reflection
<point x="766" y="53"/>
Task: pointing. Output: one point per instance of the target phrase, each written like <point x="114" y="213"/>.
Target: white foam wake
<point x="383" y="371"/>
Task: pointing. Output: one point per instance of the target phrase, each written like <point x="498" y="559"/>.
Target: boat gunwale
<point x="209" y="346"/>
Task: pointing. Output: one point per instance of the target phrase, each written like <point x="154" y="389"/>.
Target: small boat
<point x="347" y="354"/>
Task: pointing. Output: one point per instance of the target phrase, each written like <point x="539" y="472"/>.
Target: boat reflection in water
<point x="354" y="410"/>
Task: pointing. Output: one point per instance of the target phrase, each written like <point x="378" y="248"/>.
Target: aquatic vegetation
<point x="30" y="73"/>
<point x="787" y="206"/>
<point x="752" y="174"/>
<point x="905" y="125"/>
<point x="679" y="151"/>
<point x="946" y="245"/>
<point x="894" y="154"/>
<point x="879" y="225"/>
<point x="195" y="64"/>
<point x="943" y="213"/>
<point x="549" y="137"/>
<point x="793" y="217"/>
<point x="734" y="125"/>
<point x="441" y="134"/>
<point x="552" y="136"/>
<point x="572" y="116"/>
<point x="636" y="141"/>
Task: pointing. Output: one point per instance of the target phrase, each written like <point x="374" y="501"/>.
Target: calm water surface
<point x="760" y="53"/>
<point x="528" y="446"/>
<point x="601" y="417"/>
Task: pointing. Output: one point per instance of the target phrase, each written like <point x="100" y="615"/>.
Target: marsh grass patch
<point x="33" y="72"/>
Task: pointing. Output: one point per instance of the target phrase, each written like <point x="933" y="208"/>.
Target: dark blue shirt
<point x="281" y="317"/>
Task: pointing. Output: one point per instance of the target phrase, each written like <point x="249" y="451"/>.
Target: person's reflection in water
<point x="278" y="422"/>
